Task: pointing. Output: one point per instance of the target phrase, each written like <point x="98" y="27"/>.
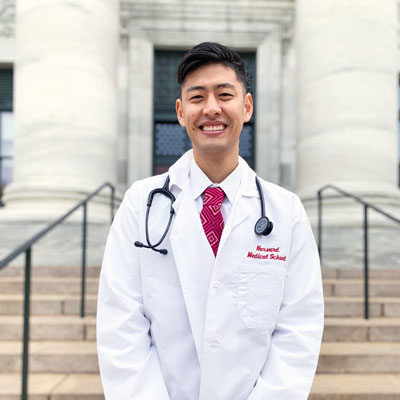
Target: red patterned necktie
<point x="211" y="216"/>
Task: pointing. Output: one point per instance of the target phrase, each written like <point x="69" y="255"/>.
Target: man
<point x="217" y="311"/>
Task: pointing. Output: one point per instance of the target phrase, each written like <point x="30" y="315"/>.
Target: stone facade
<point x="326" y="98"/>
<point x="348" y="119"/>
<point x="260" y="26"/>
<point x="7" y="32"/>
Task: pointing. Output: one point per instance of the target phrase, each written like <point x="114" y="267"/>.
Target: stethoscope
<point x="262" y="227"/>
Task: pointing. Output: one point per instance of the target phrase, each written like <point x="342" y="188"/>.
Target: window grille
<point x="170" y="139"/>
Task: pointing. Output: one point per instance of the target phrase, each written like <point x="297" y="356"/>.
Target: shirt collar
<point x="199" y="181"/>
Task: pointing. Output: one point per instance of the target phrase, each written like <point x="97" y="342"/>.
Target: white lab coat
<point x="182" y="326"/>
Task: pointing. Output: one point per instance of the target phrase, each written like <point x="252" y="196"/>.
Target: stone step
<point x="14" y="285"/>
<point x="68" y="285"/>
<point x="76" y="328"/>
<point x="355" y="287"/>
<point x="356" y="387"/>
<point x="50" y="357"/>
<point x="49" y="272"/>
<point x="88" y="387"/>
<point x="53" y="387"/>
<point x="44" y="304"/>
<point x="72" y="285"/>
<point x="47" y="304"/>
<point x="49" y="328"/>
<point x="94" y="271"/>
<point x="359" y="358"/>
<point x="354" y="307"/>
<point x="362" y="330"/>
<point x="80" y="356"/>
<point x="358" y="273"/>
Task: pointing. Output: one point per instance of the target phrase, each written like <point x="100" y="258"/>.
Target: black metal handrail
<point x="27" y="248"/>
<point x="366" y="205"/>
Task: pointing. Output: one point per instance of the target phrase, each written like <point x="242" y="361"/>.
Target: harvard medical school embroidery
<point x="272" y="254"/>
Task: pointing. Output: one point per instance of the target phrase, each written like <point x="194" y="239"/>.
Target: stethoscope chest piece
<point x="263" y="226"/>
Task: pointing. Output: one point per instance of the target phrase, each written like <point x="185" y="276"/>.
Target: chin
<point x="215" y="149"/>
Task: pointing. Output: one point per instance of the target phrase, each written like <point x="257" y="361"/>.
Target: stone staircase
<point x="63" y="358"/>
<point x="360" y="359"/>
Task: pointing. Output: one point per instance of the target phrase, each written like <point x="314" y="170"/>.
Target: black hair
<point x="212" y="53"/>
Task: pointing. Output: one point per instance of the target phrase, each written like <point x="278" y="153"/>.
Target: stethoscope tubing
<point x="263" y="226"/>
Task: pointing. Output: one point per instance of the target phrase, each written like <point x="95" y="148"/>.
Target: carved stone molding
<point x="7" y="18"/>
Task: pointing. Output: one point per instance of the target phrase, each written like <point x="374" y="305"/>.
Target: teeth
<point x="213" y="127"/>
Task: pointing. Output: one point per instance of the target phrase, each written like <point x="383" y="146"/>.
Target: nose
<point x="211" y="107"/>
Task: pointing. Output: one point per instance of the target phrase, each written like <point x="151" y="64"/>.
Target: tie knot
<point x="213" y="196"/>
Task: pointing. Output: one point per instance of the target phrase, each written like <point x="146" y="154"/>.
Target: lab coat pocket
<point x="260" y="292"/>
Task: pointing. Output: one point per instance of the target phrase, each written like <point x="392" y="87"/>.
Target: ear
<point x="248" y="107"/>
<point x="179" y="112"/>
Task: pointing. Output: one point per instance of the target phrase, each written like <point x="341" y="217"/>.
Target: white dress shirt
<point x="199" y="182"/>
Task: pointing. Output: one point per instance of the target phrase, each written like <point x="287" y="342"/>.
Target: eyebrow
<point x="219" y="86"/>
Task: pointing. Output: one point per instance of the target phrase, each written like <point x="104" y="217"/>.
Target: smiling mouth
<point x="213" y="128"/>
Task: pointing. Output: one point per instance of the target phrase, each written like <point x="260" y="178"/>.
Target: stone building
<point x="87" y="90"/>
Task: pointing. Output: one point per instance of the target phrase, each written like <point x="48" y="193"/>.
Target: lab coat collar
<point x="199" y="181"/>
<point x="178" y="177"/>
<point x="179" y="173"/>
<point x="248" y="181"/>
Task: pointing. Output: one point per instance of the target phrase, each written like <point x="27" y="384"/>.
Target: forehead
<point x="211" y="75"/>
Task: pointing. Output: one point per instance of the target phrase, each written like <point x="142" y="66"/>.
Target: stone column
<point x="268" y="105"/>
<point x="65" y="103"/>
<point x="289" y="123"/>
<point x="140" y="138"/>
<point x="347" y="111"/>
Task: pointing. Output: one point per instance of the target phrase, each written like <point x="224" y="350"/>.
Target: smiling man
<point x="202" y="295"/>
<point x="213" y="107"/>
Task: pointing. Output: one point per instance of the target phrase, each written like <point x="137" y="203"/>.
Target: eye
<point x="196" y="97"/>
<point x="226" y="94"/>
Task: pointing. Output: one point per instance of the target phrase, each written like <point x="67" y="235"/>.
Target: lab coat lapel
<point x="241" y="208"/>
<point x="194" y="261"/>
<point x="193" y="256"/>
<point x="239" y="213"/>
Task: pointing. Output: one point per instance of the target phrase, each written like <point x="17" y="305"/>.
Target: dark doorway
<point x="170" y="139"/>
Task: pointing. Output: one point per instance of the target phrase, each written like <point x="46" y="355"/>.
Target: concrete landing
<point x="53" y="387"/>
<point x="356" y="387"/>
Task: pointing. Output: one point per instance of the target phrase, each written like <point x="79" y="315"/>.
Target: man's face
<point x="213" y="109"/>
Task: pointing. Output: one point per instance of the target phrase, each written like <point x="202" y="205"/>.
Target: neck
<point x="217" y="167"/>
